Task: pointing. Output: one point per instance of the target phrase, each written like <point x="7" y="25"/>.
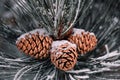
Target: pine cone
<point x="85" y="41"/>
<point x="63" y="55"/>
<point x="36" y="43"/>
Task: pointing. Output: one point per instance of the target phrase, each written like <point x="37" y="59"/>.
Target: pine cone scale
<point x="85" y="41"/>
<point x="35" y="43"/>
<point x="64" y="56"/>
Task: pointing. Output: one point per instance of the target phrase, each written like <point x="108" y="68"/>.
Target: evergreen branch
<point x="38" y="74"/>
<point x="71" y="77"/>
<point x="59" y="6"/>
<point x="76" y="15"/>
<point x="105" y="24"/>
<point x="22" y="71"/>
<point x="83" y="12"/>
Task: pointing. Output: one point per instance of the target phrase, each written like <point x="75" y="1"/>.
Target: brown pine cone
<point x="85" y="41"/>
<point x="36" y="43"/>
<point x="63" y="55"/>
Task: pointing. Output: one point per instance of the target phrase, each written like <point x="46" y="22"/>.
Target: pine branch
<point x="100" y="17"/>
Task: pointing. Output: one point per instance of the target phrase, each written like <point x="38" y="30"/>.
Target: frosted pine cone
<point x="85" y="41"/>
<point x="63" y="55"/>
<point x="36" y="43"/>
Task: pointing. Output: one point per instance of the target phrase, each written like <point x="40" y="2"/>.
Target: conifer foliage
<point x="59" y="39"/>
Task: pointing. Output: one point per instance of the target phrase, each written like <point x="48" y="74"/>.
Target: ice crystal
<point x="100" y="17"/>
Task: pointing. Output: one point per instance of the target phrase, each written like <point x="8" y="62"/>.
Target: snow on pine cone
<point x="63" y="54"/>
<point x="85" y="41"/>
<point x="36" y="43"/>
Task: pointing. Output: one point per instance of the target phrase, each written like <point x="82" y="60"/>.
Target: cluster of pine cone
<point x="63" y="53"/>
